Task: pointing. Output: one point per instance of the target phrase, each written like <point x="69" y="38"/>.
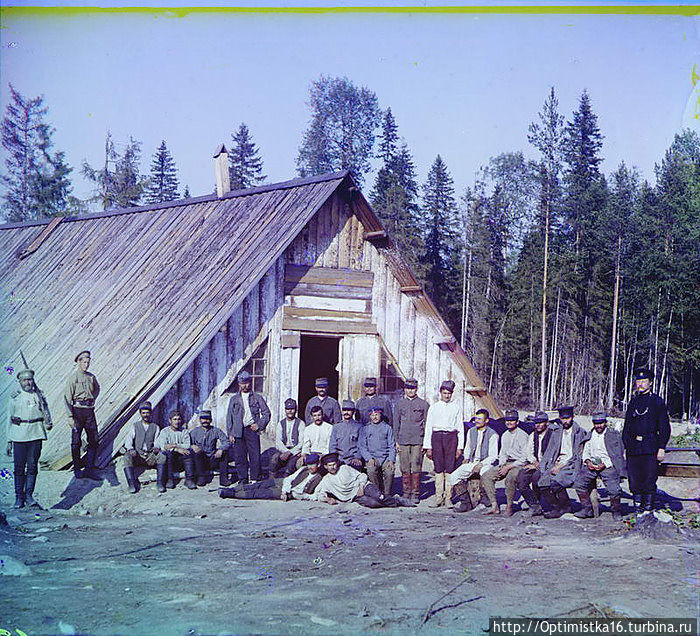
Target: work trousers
<point x="246" y="453"/>
<point x="204" y="464"/>
<point x="149" y="459"/>
<point x="444" y="445"/>
<point x="563" y="479"/>
<point x="489" y="479"/>
<point x="586" y="480"/>
<point x="84" y="420"/>
<point x="26" y="457"/>
<point x="177" y="461"/>
<point x="527" y="484"/>
<point x="382" y="476"/>
<point x="286" y="466"/>
<point x="411" y="458"/>
<point x="642" y="472"/>
<point x="266" y="489"/>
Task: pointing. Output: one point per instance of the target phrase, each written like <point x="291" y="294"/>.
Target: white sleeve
<point x="306" y="442"/>
<point x="459" y="425"/>
<point x="427" y="436"/>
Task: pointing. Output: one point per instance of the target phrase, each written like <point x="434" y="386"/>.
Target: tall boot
<point x="439" y="490"/>
<point x="649" y="502"/>
<point x="224" y="479"/>
<point x="586" y="511"/>
<point x="131" y="480"/>
<point x="564" y="501"/>
<point x="406" y="484"/>
<point x="20" y="481"/>
<point x="415" y="495"/>
<point x="29" y="500"/>
<point x="616" y="507"/>
<point x="552" y="504"/>
<point x="170" y="469"/>
<point x="161" y="470"/>
<point x="189" y="472"/>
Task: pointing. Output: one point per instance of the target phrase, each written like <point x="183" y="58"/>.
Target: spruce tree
<point x="36" y="181"/>
<point x="245" y="165"/>
<point x="342" y="129"/>
<point x="163" y="184"/>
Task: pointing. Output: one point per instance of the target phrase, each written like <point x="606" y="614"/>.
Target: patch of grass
<point x="684" y="519"/>
<point x="686" y="439"/>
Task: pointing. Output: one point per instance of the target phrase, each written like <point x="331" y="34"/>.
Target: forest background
<point x="558" y="280"/>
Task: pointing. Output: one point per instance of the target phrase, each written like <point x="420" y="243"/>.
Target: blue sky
<point x="464" y="86"/>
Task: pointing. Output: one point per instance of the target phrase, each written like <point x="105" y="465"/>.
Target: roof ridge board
<point x="281" y="185"/>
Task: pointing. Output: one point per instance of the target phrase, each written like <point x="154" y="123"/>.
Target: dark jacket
<point x="330" y="406"/>
<point x="613" y="444"/>
<point x="365" y="405"/>
<point x="647" y="427"/>
<point x="234" y="414"/>
<point x="410" y="420"/>
<point x="549" y="457"/>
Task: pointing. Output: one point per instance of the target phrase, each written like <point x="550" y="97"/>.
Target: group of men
<point x="348" y="451"/>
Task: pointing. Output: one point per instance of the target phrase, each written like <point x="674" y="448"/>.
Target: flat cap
<point x="511" y="415"/>
<point x="370" y="381"/>
<point x="377" y="409"/>
<point x="81" y="354"/>
<point x="448" y="385"/>
<point x="566" y="411"/>
<point x="26" y="373"/>
<point x="322" y="383"/>
<point x="599" y="416"/>
<point x="205" y="414"/>
<point x="290" y="403"/>
<point x="145" y="406"/>
<point x="244" y="376"/>
<point x="312" y="458"/>
<point x="348" y="405"/>
<point x="643" y="374"/>
<point x="541" y="416"/>
<point x="410" y="383"/>
<point x="329" y="457"/>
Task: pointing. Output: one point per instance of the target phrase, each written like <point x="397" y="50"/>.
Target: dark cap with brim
<point x="599" y="417"/>
<point x="81" y="354"/>
<point x="205" y="415"/>
<point x="511" y="415"/>
<point x="24" y="374"/>
<point x="312" y="458"/>
<point x="348" y="405"/>
<point x="290" y="403"/>
<point x="244" y="376"/>
<point x="410" y="383"/>
<point x="643" y="374"/>
<point x="145" y="406"/>
<point x="321" y="383"/>
<point x="370" y="381"/>
<point x="566" y="411"/>
<point x="329" y="457"/>
<point x="377" y="409"/>
<point x="541" y="416"/>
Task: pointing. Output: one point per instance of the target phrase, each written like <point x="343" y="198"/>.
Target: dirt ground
<point x="101" y="561"/>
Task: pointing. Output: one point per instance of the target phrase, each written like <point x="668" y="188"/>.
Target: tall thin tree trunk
<point x="531" y="375"/>
<point x="555" y="346"/>
<point x="656" y="335"/>
<point x="467" y="285"/>
<point x="613" y="339"/>
<point x="663" y="365"/>
<point x="543" y="353"/>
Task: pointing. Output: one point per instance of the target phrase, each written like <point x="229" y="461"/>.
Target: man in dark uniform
<point x="329" y="405"/>
<point x="141" y="450"/>
<point x="247" y="417"/>
<point x="645" y="434"/>
<point x="601" y="457"/>
<point x="79" y="396"/>
<point x="345" y="437"/>
<point x="370" y="400"/>
<point x="411" y="412"/>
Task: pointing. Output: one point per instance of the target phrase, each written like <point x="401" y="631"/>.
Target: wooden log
<point x="312" y="312"/>
<point x="295" y="273"/>
<point x="332" y="291"/>
<point x="330" y="327"/>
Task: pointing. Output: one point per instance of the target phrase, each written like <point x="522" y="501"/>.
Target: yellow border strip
<point x="181" y="12"/>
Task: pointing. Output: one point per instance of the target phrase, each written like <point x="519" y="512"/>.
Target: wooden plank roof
<point x="144" y="288"/>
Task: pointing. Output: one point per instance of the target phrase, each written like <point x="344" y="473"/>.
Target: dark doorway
<point x="318" y="359"/>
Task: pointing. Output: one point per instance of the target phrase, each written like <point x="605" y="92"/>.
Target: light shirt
<point x="443" y="416"/>
<point x="513" y="447"/>
<point x="27" y="405"/>
<point x="487" y="463"/>
<point x="168" y="435"/>
<point x="344" y="485"/>
<point x="595" y="447"/>
<point x="317" y="438"/>
<point x="566" y="449"/>
<point x="248" y="419"/>
<point x="289" y="426"/>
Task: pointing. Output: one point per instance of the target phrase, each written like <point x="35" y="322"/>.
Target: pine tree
<point x="245" y="165"/>
<point x="441" y="255"/>
<point x="342" y="129"/>
<point x="36" y="182"/>
<point x="186" y="194"/>
<point x="163" y="184"/>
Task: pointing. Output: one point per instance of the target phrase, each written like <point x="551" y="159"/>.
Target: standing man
<point x="602" y="457"/>
<point x="411" y="412"/>
<point x="370" y="400"/>
<point x="81" y="392"/>
<point x="645" y="434"/>
<point x="529" y="476"/>
<point x="378" y="449"/>
<point x="141" y="450"/>
<point x="443" y="438"/>
<point x="210" y="448"/>
<point x="29" y="420"/>
<point x="329" y="405"/>
<point x="480" y="455"/>
<point x="289" y="437"/>
<point x="511" y="458"/>
<point x="246" y="418"/>
<point x="345" y="437"/>
<point x="175" y="444"/>
<point x="317" y="435"/>
<point x="560" y="463"/>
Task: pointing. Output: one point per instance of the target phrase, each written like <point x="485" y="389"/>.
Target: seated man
<point x="175" y="444"/>
<point x="317" y="434"/>
<point x="345" y="437"/>
<point x="141" y="450"/>
<point x="529" y="476"/>
<point x="511" y="458"/>
<point x="299" y="485"/>
<point x="378" y="450"/>
<point x="560" y="463"/>
<point x="480" y="455"/>
<point x="602" y="457"/>
<point x="289" y="438"/>
<point x="343" y="483"/>
<point x="207" y="456"/>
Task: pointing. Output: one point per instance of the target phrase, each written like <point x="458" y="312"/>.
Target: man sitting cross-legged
<point x="602" y="457"/>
